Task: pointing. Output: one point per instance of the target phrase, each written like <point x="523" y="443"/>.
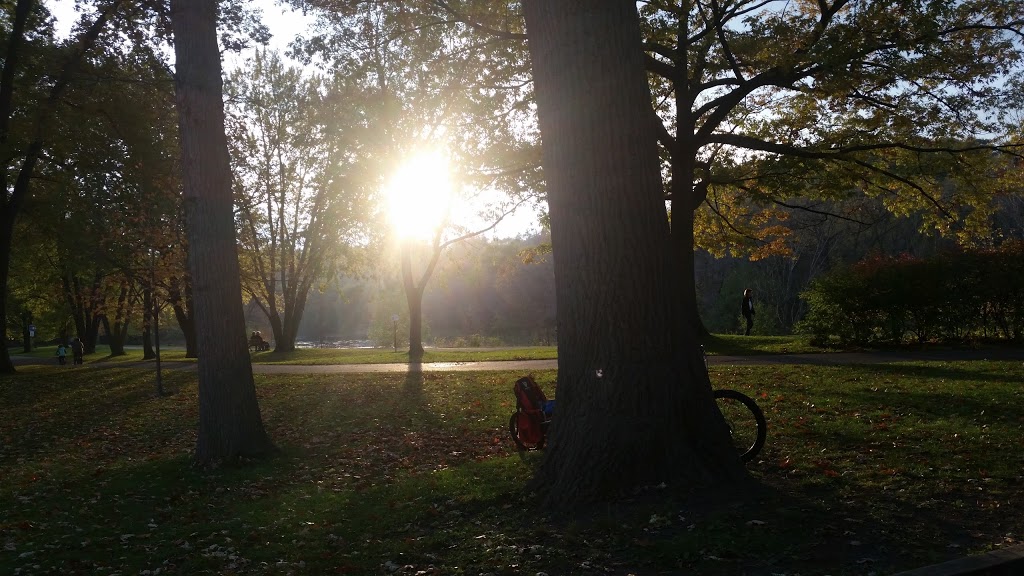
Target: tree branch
<point x="920" y="190"/>
<point x="750" y="143"/>
<point x="720" y="32"/>
<point x="818" y="212"/>
<point x="458" y="16"/>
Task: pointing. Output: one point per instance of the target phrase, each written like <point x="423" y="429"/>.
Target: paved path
<point x="822" y="359"/>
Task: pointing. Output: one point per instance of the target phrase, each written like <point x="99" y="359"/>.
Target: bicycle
<point x="528" y="425"/>
<point x="747" y="426"/>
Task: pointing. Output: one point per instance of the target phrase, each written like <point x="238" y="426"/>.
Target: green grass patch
<point x="319" y="356"/>
<point x="866" y="469"/>
<point x="102" y="354"/>
<point x="738" y="345"/>
<point x="324" y="356"/>
<point x="716" y="345"/>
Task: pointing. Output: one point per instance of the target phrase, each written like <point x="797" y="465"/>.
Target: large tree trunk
<point x="686" y="199"/>
<point x="92" y="334"/>
<point x="634" y="400"/>
<point x="230" y="425"/>
<point x="113" y="341"/>
<point x="148" y="312"/>
<point x="277" y="329"/>
<point x="10" y="202"/>
<point x="294" y="307"/>
<point x="6" y="232"/>
<point x="117" y="331"/>
<point x="26" y="332"/>
<point x="414" y="293"/>
<point x="414" y="299"/>
<point x="183" y="312"/>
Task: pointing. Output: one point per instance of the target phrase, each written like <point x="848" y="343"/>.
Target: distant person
<point x="747" y="309"/>
<point x="78" y="350"/>
<point x="62" y="354"/>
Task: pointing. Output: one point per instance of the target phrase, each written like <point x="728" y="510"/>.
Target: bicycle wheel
<point x="746" y="422"/>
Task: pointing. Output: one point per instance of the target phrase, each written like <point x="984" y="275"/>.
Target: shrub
<point x="956" y="297"/>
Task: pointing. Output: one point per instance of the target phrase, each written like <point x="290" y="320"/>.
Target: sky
<point x="283" y="22"/>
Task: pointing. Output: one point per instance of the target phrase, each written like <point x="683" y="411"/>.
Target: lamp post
<point x="394" y="320"/>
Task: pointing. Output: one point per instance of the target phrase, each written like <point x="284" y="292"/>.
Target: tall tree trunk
<point x="414" y="293"/>
<point x="117" y="331"/>
<point x="686" y="199"/>
<point x="148" y="353"/>
<point x="112" y="329"/>
<point x="6" y="233"/>
<point x="181" y="303"/>
<point x="92" y="333"/>
<point x="634" y="399"/>
<point x="10" y="203"/>
<point x="26" y="332"/>
<point x="277" y="329"/>
<point x="414" y="300"/>
<point x="295" y="305"/>
<point x="230" y="425"/>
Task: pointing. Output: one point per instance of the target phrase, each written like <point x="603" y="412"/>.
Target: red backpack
<point x="533" y="412"/>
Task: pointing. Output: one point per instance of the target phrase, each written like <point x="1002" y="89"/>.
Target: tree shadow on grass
<point x="956" y="372"/>
<point x="941" y="392"/>
<point x="75" y="412"/>
<point x="413" y="386"/>
<point x="903" y="466"/>
<point x="883" y="525"/>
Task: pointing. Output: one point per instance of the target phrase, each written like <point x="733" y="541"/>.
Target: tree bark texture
<point x="230" y="425"/>
<point x="634" y="403"/>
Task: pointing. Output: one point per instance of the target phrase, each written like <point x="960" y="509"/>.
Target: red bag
<point x="530" y="426"/>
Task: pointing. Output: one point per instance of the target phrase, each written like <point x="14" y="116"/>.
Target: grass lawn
<point x="321" y="356"/>
<point x="721" y="344"/>
<point x="737" y="345"/>
<point x="868" y="469"/>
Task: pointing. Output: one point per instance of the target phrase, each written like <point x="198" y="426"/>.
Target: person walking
<point x="62" y="354"/>
<point x="747" y="309"/>
<point x="78" y="350"/>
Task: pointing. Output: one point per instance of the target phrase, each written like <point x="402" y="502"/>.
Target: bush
<point x="953" y="297"/>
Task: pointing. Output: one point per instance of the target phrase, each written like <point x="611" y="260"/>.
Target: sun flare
<point x="419" y="196"/>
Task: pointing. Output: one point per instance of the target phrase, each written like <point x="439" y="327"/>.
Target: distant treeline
<point x="484" y="293"/>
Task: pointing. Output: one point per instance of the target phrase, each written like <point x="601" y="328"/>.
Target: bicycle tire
<point x="760" y="433"/>
<point x="513" y="430"/>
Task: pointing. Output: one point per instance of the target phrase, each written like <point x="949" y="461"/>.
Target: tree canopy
<point x="300" y="208"/>
<point x="773" y="107"/>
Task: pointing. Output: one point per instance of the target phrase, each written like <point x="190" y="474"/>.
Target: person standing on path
<point x="77" y="350"/>
<point x="747" y="309"/>
<point x="62" y="354"/>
